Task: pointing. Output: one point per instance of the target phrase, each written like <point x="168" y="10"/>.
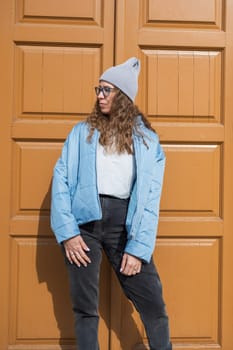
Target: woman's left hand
<point x="130" y="265"/>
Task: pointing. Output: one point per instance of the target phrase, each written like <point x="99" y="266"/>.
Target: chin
<point x="105" y="111"/>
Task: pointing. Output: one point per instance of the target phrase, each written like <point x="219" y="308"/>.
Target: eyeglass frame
<point x="106" y="90"/>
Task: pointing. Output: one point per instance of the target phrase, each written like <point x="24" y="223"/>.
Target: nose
<point x="101" y="94"/>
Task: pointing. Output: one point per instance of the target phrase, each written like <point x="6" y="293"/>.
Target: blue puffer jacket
<point x="75" y="199"/>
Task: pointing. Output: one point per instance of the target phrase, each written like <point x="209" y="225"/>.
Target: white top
<point x="115" y="172"/>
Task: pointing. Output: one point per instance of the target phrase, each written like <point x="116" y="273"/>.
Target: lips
<point x="102" y="106"/>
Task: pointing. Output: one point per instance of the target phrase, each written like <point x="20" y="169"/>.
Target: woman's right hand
<point x="76" y="249"/>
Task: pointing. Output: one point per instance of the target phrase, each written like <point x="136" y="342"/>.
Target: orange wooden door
<point x="51" y="56"/>
<point x="186" y="50"/>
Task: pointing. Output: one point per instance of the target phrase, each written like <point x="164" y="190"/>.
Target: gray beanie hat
<point x="124" y="76"/>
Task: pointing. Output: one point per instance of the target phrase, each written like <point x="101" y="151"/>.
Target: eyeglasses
<point x="106" y="90"/>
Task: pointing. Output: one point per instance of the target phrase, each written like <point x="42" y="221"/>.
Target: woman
<point x="105" y="196"/>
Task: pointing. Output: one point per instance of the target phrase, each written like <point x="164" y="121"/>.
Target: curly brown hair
<point x="118" y="127"/>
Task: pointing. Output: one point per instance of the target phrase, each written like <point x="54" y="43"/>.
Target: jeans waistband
<point x="113" y="197"/>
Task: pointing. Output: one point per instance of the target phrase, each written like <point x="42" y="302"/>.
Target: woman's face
<point x="105" y="93"/>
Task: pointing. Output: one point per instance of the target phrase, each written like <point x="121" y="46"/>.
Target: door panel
<point x="186" y="48"/>
<point x="198" y="177"/>
<point x="194" y="312"/>
<point x="179" y="11"/>
<point x="54" y="82"/>
<point x="90" y="11"/>
<point x="191" y="80"/>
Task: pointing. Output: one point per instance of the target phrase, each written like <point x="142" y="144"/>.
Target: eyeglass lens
<point x="104" y="89"/>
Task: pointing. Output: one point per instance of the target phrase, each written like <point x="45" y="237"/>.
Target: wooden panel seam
<point x="58" y="34"/>
<point x="179" y="132"/>
<point x="174" y="38"/>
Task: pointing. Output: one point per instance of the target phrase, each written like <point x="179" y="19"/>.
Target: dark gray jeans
<point x="143" y="289"/>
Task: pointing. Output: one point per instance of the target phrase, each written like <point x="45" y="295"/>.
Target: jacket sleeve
<point x="143" y="243"/>
<point x="63" y="222"/>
